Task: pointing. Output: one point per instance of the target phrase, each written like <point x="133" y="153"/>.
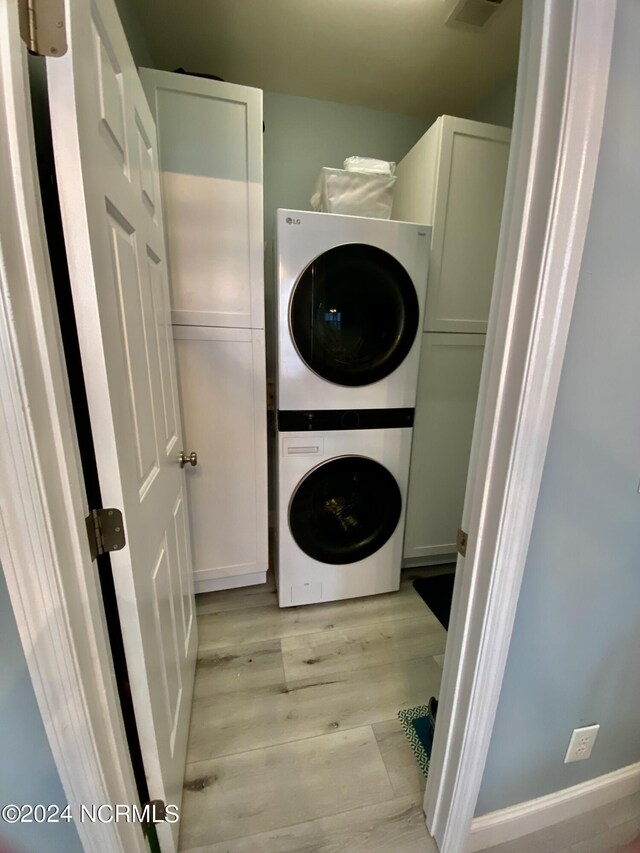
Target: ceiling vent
<point x="473" y="13"/>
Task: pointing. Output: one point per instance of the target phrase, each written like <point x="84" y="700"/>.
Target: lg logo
<point x="291" y="221"/>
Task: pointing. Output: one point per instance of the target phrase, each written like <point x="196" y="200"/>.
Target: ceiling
<point x="393" y="55"/>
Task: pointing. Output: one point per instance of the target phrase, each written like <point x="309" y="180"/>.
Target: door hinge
<point x="155" y="811"/>
<point x="42" y="26"/>
<point x="461" y="542"/>
<point x="105" y="531"/>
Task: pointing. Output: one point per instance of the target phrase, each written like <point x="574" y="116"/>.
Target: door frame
<point x="565" y="55"/>
<point x="53" y="585"/>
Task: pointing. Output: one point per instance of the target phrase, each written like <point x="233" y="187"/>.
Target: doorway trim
<point x="563" y="73"/>
<point x="53" y="586"/>
<point x="52" y="583"/>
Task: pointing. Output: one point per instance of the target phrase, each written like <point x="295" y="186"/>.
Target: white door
<point x="221" y="381"/>
<point x="210" y="152"/>
<point x="450" y="366"/>
<point x="106" y="161"/>
<point x="466" y="224"/>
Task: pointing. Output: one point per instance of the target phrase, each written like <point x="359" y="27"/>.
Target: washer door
<point x="345" y="510"/>
<point x="354" y="314"/>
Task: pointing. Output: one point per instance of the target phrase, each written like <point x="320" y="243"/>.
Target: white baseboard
<point x="232" y="582"/>
<point x="523" y="818"/>
<point x="429" y="560"/>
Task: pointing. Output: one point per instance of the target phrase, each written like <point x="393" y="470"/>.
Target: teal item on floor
<point x="417" y="728"/>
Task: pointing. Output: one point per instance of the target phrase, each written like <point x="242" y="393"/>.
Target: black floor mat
<point x="437" y="592"/>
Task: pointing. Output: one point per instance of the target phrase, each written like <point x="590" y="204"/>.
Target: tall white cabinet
<point x="453" y="179"/>
<point x="210" y="152"/>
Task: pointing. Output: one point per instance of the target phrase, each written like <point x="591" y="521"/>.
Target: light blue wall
<point x="302" y="135"/>
<point x="27" y="770"/>
<point x="134" y="29"/>
<point x="497" y="107"/>
<point x="574" y="656"/>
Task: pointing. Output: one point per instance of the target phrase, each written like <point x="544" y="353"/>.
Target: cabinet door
<point x="471" y="178"/>
<point x="221" y="378"/>
<point x="210" y="150"/>
<point x="448" y="383"/>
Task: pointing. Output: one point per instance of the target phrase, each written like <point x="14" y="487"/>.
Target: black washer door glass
<point x="354" y="314"/>
<point x="345" y="510"/>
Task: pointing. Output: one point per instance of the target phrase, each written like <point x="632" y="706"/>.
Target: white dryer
<point x="350" y="302"/>
<point x="341" y="507"/>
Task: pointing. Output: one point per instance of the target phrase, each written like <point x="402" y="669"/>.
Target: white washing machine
<point x="341" y="506"/>
<point x="350" y="303"/>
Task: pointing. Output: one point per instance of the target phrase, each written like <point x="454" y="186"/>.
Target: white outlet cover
<point x="581" y="743"/>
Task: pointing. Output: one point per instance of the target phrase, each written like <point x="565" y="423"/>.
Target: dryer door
<point x="345" y="510"/>
<point x="354" y="314"/>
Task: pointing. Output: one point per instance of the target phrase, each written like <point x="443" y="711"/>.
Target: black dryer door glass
<point x="345" y="510"/>
<point x="354" y="314"/>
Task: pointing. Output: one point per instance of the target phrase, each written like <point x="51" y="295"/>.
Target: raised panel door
<point x="106" y="163"/>
<point x="466" y="225"/>
<point x="222" y="389"/>
<point x="448" y="382"/>
<point x="210" y="149"/>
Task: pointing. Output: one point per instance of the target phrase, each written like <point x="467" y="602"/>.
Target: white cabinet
<point x="210" y="153"/>
<point x="450" y="366"/>
<point x="223" y="400"/>
<point x="454" y="179"/>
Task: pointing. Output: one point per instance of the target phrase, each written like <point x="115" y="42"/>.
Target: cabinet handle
<point x="185" y="459"/>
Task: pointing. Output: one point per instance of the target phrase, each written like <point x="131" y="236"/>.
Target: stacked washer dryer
<point x="350" y="302"/>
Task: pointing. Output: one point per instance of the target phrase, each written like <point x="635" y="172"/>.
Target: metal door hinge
<point x="42" y="26"/>
<point x="105" y="531"/>
<point x="461" y="542"/>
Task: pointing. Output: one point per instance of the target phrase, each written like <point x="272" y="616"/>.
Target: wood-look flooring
<point x="294" y="742"/>
<point x="295" y="746"/>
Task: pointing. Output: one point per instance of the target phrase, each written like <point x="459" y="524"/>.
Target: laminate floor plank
<point x="262" y="790"/>
<point x="295" y="746"/>
<point x="619" y="839"/>
<point x="272" y="712"/>
<point x="260" y="624"/>
<point x="359" y="647"/>
<point x="284" y="759"/>
<point x="260" y="595"/>
<point x="242" y="669"/>
<point x="404" y="773"/>
<point x="396" y="826"/>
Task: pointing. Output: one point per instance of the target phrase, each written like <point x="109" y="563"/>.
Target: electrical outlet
<point x="581" y="743"/>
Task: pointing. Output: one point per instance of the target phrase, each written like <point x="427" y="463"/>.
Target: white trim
<point x="564" y="65"/>
<point x="52" y="583"/>
<point x="505" y="825"/>
<point x="228" y="582"/>
<point x="563" y="76"/>
<point x="428" y="562"/>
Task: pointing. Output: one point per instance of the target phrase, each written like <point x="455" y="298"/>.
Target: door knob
<point x="185" y="459"/>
